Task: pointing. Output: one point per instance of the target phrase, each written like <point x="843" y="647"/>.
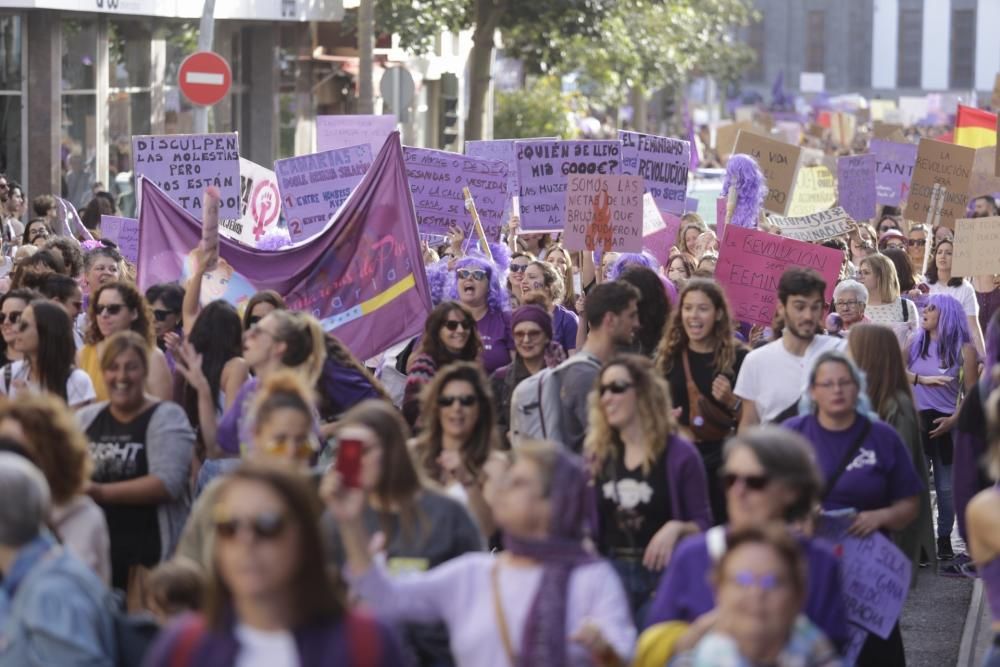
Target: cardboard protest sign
<point x="893" y="170"/>
<point x="605" y="213"/>
<point x="977" y="246"/>
<point x="124" y="232"/>
<point x="984" y="180"/>
<point x="183" y="165"/>
<point x="362" y="276"/>
<point x="260" y="205"/>
<point x="436" y="182"/>
<point x="751" y="263"/>
<point x="814" y="191"/>
<point x="725" y="135"/>
<point x="662" y="163"/>
<point x="314" y="186"/>
<point x="778" y="161"/>
<point x="948" y="166"/>
<point x="856" y="185"/>
<point x="817" y="227"/>
<point x="883" y="131"/>
<point x="659" y="230"/>
<point x="543" y="171"/>
<point x="345" y="131"/>
<point x="879" y="109"/>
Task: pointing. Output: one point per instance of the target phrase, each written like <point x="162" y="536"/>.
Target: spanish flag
<point x="975" y="128"/>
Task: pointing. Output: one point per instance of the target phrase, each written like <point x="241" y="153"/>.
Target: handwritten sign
<point x="662" y="163"/>
<point x="436" y="181"/>
<point x="947" y="165"/>
<point x="314" y="186"/>
<point x="977" y="246"/>
<point x="856" y="185"/>
<point x="124" y="232"/>
<point x="544" y="169"/>
<point x="604" y="212"/>
<point x="984" y="180"/>
<point x="814" y="191"/>
<point x="893" y="170"/>
<point x="815" y="228"/>
<point x="183" y="165"/>
<point x="725" y="135"/>
<point x="778" y="161"/>
<point x="346" y="131"/>
<point x="659" y="230"/>
<point x="751" y="263"/>
<point x="260" y="205"/>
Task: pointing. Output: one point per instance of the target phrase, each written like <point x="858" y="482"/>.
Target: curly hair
<point x="652" y="396"/>
<point x="554" y="284"/>
<point x="69" y="249"/>
<point x="476" y="450"/>
<point x="743" y="173"/>
<point x="53" y="439"/>
<point x="430" y="343"/>
<point x="676" y="339"/>
<point x="142" y="324"/>
<point x="497" y="299"/>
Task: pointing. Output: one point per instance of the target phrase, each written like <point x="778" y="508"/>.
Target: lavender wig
<point x="437" y="279"/>
<point x="642" y="259"/>
<point x="952" y="330"/>
<point x="743" y="173"/>
<point x="496" y="298"/>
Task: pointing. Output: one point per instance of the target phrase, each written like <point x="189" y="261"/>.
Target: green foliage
<point x="541" y="110"/>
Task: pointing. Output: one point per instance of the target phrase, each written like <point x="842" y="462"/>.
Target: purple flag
<point x="362" y="276"/>
<point x="689" y="125"/>
<point x="70" y="222"/>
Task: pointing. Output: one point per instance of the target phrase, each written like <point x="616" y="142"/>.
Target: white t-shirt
<point x="965" y="294"/>
<point x="774" y="378"/>
<point x="891" y="315"/>
<point x="79" y="388"/>
<point x="265" y="649"/>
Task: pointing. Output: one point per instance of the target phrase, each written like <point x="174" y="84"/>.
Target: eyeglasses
<point x="466" y="401"/>
<point x="897" y="245"/>
<point x="752" y="482"/>
<point x="453" y="325"/>
<point x="476" y="274"/>
<point x="916" y="243"/>
<point x="528" y="335"/>
<point x="10" y="318"/>
<point x="39" y="232"/>
<point x="847" y="304"/>
<point x="616" y="387"/>
<point x="518" y="268"/>
<point x="765" y="582"/>
<point x="830" y="384"/>
<point x="162" y="315"/>
<point x="265" y="526"/>
<point x="112" y="308"/>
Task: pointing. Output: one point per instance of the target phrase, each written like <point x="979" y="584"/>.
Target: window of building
<point x="11" y="99"/>
<point x="815" y="41"/>
<point x="129" y="103"/>
<point x="79" y="109"/>
<point x="963" y="48"/>
<point x="909" y="59"/>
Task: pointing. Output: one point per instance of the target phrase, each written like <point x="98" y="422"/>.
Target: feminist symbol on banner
<point x="264" y="207"/>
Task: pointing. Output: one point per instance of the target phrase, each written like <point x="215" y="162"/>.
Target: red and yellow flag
<point x="975" y="128"/>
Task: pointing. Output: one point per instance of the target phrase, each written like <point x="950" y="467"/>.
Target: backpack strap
<point x="903" y="301"/>
<point x="364" y="642"/>
<point x="541" y="411"/>
<point x="187" y="640"/>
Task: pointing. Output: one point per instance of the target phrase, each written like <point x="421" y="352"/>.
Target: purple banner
<point x="183" y="165"/>
<point x="344" y="131"/>
<point x="893" y="170"/>
<point x="497" y="149"/>
<point x="856" y="185"/>
<point x="314" y="186"/>
<point x="663" y="164"/>
<point x="436" y="181"/>
<point x="124" y="232"/>
<point x="362" y="276"/>
<point x="543" y="171"/>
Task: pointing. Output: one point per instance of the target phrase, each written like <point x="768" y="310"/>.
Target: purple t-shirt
<point x="498" y="343"/>
<point x="685" y="593"/>
<point x="233" y="431"/>
<point x="881" y="473"/>
<point x="564" y="326"/>
<point x="944" y="398"/>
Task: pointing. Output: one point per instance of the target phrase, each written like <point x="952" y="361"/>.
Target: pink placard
<point x="720" y="216"/>
<point x="604" y="212"/>
<point x="751" y="263"/>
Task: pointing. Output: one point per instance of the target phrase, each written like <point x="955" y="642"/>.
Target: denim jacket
<point x="54" y="611"/>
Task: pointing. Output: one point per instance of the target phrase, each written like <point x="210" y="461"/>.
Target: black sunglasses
<point x="253" y="319"/>
<point x="14" y="315"/>
<point x="112" y="308"/>
<point x="266" y="526"/>
<point x="752" y="482"/>
<point x="453" y="325"/>
<point x="162" y="315"/>
<point x="616" y="387"/>
<point x="518" y="268"/>
<point x="916" y="243"/>
<point x="467" y="401"/>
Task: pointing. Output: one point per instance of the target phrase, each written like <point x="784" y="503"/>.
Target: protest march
<point x="717" y="393"/>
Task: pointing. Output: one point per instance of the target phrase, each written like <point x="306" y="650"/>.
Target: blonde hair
<point x="305" y="342"/>
<point x="885" y="277"/>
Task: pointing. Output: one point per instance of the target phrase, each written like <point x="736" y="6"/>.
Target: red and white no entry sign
<point x="205" y="78"/>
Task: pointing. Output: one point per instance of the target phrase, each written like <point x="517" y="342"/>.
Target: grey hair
<point x="24" y="500"/>
<point x="862" y="404"/>
<point x="851" y="286"/>
<point x="787" y="458"/>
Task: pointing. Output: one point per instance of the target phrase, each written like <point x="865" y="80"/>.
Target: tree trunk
<point x="366" y="57"/>
<point x="637" y="95"/>
<point x="488" y="13"/>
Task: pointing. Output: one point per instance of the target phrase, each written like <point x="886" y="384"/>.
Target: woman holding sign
<point x="942" y="281"/>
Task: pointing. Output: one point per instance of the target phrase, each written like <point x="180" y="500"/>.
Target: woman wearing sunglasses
<point x="649" y="483"/>
<point x="543" y="286"/>
<point x="477" y="287"/>
<point x="423" y="527"/>
<point x="519" y="261"/>
<point x="141" y="451"/>
<point x="167" y="300"/>
<point x="12" y="305"/>
<point x="546" y="600"/>
<point x="866" y="465"/>
<point x="260" y="305"/>
<point x="450" y="335"/>
<point x="916" y="247"/>
<point x="116" y="307"/>
<point x="271" y="600"/>
<point x="769" y="475"/>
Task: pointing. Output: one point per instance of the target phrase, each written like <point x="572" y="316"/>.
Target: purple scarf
<point x="545" y="632"/>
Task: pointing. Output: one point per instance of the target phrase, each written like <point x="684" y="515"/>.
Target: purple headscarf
<point x="544" y="639"/>
<point x="743" y="174"/>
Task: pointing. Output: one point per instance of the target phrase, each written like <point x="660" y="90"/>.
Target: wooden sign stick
<point x="470" y="206"/>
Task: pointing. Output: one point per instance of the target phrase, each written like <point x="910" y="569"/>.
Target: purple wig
<point x="437" y="279"/>
<point x="496" y="298"/>
<point x="952" y="330"/>
<point x="642" y="259"/>
<point x="743" y="174"/>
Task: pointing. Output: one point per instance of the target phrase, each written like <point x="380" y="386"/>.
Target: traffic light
<point x="448" y="120"/>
